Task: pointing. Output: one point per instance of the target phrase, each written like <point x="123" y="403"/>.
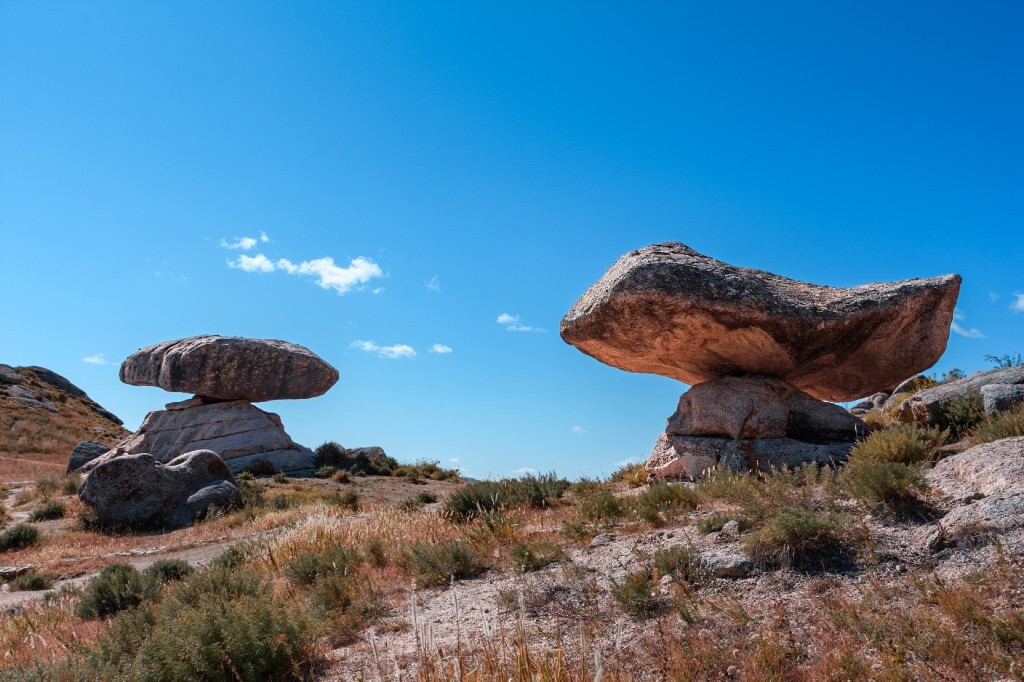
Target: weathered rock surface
<point x="668" y="310"/>
<point x="922" y="406"/>
<point x="751" y="423"/>
<point x="21" y="385"/>
<point x="239" y="432"/>
<point x="138" y="491"/>
<point x="23" y="395"/>
<point x="85" y="452"/>
<point x="1001" y="397"/>
<point x="231" y="368"/>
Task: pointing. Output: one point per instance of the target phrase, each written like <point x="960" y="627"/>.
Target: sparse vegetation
<point x="663" y="501"/>
<point x="904" y="444"/>
<point x="1008" y="424"/>
<point x="48" y="511"/>
<point x="795" y="537"/>
<point x="635" y="595"/>
<point x="440" y="564"/>
<point x="482" y="497"/>
<point x="31" y="582"/>
<point x="117" y="587"/>
<point x="1006" y="361"/>
<point x="960" y="414"/>
<point x="634" y="475"/>
<point x="166" y="571"/>
<point x="18" y="537"/>
<point x="533" y="556"/>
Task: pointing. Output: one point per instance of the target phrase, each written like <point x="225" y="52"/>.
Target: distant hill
<point x="42" y="412"/>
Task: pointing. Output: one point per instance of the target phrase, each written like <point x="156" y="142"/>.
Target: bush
<point x="633" y="475"/>
<point x="347" y="500"/>
<point x="18" y="537"/>
<point x="895" y="486"/>
<point x="635" y="595"/>
<point x="409" y="505"/>
<point x="244" y="476"/>
<point x="662" y="501"/>
<point x="280" y="477"/>
<point x="169" y="570"/>
<point x="232" y="557"/>
<point x="31" y="582"/>
<point x="325" y="472"/>
<point x="47" y="486"/>
<point x="333" y="454"/>
<point x="307" y="567"/>
<point x="905" y="444"/>
<point x="602" y="509"/>
<point x="341" y="477"/>
<point x="117" y="587"/>
<point x="48" y="511"/>
<point x="426" y="498"/>
<point x="70" y="484"/>
<point x="533" y="556"/>
<point x="483" y="497"/>
<point x="997" y="426"/>
<point x="680" y="562"/>
<point x="794" y="537"/>
<point x="959" y="415"/>
<point x="716" y="522"/>
<point x="439" y="564"/>
<point x="261" y="467"/>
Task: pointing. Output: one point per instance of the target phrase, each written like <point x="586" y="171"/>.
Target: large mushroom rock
<point x="668" y="310"/>
<point x="751" y="423"/>
<point x="243" y="435"/>
<point x="139" y="491"/>
<point x="922" y="407"/>
<point x="231" y="368"/>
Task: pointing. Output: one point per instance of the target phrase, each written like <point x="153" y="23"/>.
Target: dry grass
<point x="24" y="430"/>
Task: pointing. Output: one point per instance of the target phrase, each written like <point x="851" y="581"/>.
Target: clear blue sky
<point x="485" y="159"/>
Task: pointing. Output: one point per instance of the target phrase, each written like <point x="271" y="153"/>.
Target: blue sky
<point x="460" y="162"/>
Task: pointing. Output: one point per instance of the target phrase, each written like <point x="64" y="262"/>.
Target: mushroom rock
<point x="668" y="310"/>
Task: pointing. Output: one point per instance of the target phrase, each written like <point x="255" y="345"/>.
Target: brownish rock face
<point x="668" y="310"/>
<point x="231" y="368"/>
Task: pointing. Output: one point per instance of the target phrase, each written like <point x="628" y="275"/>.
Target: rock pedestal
<point x="751" y="424"/>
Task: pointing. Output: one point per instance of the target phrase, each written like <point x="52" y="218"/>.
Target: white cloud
<point x="433" y="284"/>
<point x="511" y="323"/>
<point x="396" y="352"/>
<point x="628" y="461"/>
<point x="440" y="348"/>
<point x="993" y="296"/>
<point x="243" y="243"/>
<point x="96" y="359"/>
<point x="578" y="429"/>
<point x="972" y="333"/>
<point x="524" y="470"/>
<point x="257" y="263"/>
<point x="263" y="237"/>
<point x="957" y="315"/>
<point x="1018" y="304"/>
<point x="328" y="274"/>
<point x="454" y="460"/>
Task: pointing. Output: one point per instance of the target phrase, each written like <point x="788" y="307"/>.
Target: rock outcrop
<point x="85" y="452"/>
<point x="243" y="435"/>
<point x="230" y="374"/>
<point x="762" y="353"/>
<point x="666" y="309"/>
<point x="138" y="491"/>
<point x="751" y="423"/>
<point x="924" y="405"/>
<point x="231" y="368"/>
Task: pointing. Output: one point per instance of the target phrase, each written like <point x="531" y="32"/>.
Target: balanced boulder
<point x="666" y="309"/>
<point x="231" y="368"/>
<point x="138" y="491"/>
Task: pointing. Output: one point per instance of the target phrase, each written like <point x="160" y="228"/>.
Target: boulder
<point x="231" y="368"/>
<point x="1001" y="397"/>
<point x="668" y="310"/>
<point x="982" y="470"/>
<point x="243" y="435"/>
<point x="23" y="395"/>
<point x="751" y="424"/>
<point x="9" y="376"/>
<point x="922" y="406"/>
<point x="85" y="452"/>
<point x="140" y="492"/>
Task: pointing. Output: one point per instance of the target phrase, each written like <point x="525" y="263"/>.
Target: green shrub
<point x="439" y="564"/>
<point x="232" y="557"/>
<point x="633" y="475"/>
<point x="169" y="570"/>
<point x="341" y="477"/>
<point x="117" y="587"/>
<point x="70" y="483"/>
<point x="325" y="472"/>
<point x="48" y="511"/>
<point x="602" y="509"/>
<point x="376" y="552"/>
<point x="333" y="454"/>
<point x="280" y="477"/>
<point x="635" y="595"/>
<point x="794" y="537"/>
<point x="307" y="567"/>
<point x="533" y="556"/>
<point x="905" y="443"/>
<point x="18" y="537"/>
<point x="895" y="486"/>
<point x="960" y="414"/>
<point x="31" y="582"/>
<point x="997" y="426"/>
<point x="244" y="476"/>
<point x="426" y="498"/>
<point x="47" y="485"/>
<point x="482" y="497"/>
<point x="680" y="562"/>
<point x="663" y="501"/>
<point x="716" y="522"/>
<point x="347" y="500"/>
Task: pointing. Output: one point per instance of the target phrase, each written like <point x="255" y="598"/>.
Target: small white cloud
<point x="263" y="237"/>
<point x="993" y="296"/>
<point x="578" y="429"/>
<point x="512" y="323"/>
<point x="1018" y="303"/>
<point x="242" y="243"/>
<point x="378" y="291"/>
<point x="440" y="348"/>
<point x="397" y="352"/>
<point x="971" y="333"/>
<point x="957" y="315"/>
<point x="454" y="460"/>
<point x="525" y="470"/>
<point x="95" y="359"/>
<point x="627" y="462"/>
<point x="328" y="274"/>
<point x="433" y="284"/>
